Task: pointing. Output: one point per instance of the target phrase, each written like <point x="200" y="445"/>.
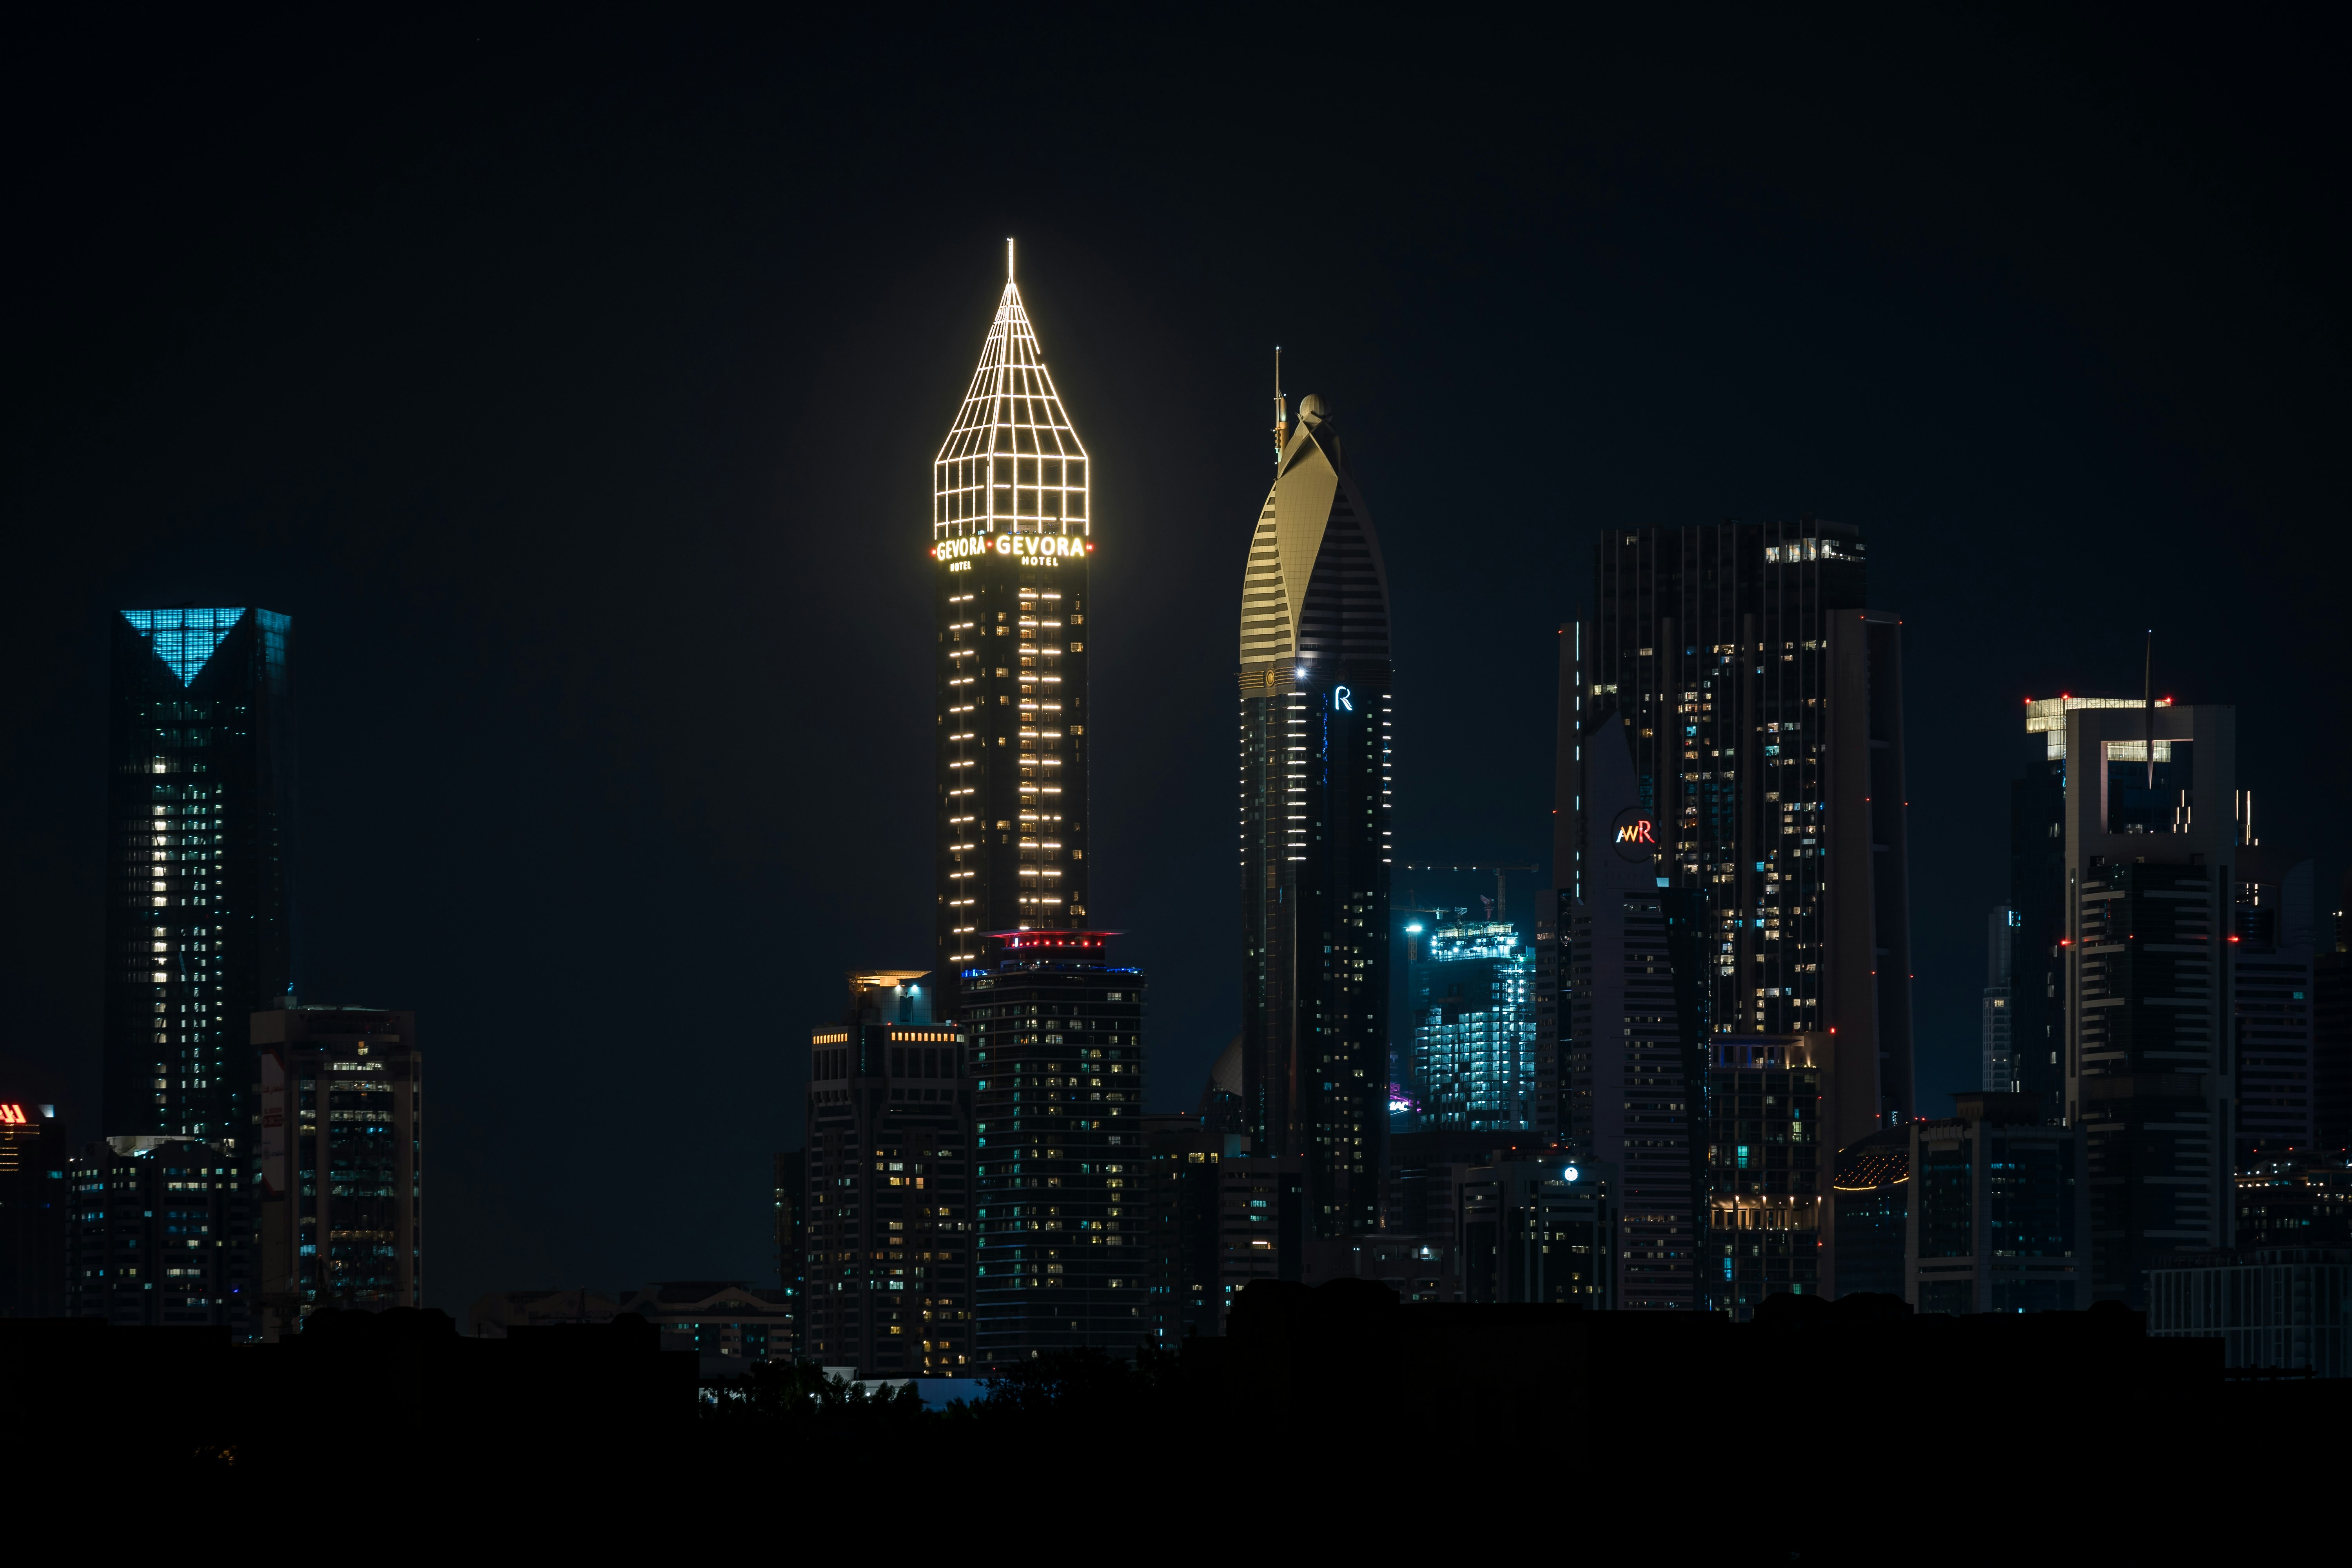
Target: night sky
<point x="576" y="392"/>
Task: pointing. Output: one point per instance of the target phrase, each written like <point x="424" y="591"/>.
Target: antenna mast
<point x="1281" y="411"/>
<point x="1008" y="259"/>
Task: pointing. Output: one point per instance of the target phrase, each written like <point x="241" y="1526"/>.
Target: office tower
<point x="200" y="797"/>
<point x="1471" y="989"/>
<point x="2151" y="846"/>
<point x="340" y="1202"/>
<point x="1999" y="1212"/>
<point x="2271" y="1001"/>
<point x="1062" y="1245"/>
<point x="1870" y="1194"/>
<point x="1536" y="1230"/>
<point x="33" y="1197"/>
<point x="1762" y="704"/>
<point x="1767" y="1100"/>
<point x="1012" y="535"/>
<point x="1181" y="1158"/>
<point x="1636" y="957"/>
<point x="1547" y="986"/>
<point x="1315" y="714"/>
<point x="2331" y="1030"/>
<point x="2295" y="1198"/>
<point x="1263" y="1224"/>
<point x="147" y="1237"/>
<point x="2001" y="932"/>
<point x="886" y="1265"/>
<point x="791" y="1243"/>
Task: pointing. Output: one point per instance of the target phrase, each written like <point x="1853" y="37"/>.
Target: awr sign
<point x="1635" y="834"/>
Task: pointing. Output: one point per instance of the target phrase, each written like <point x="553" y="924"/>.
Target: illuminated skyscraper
<point x="886" y="1271"/>
<point x="1315" y="712"/>
<point x="1473" y="1028"/>
<point x="1010" y="535"/>
<point x="340" y="1151"/>
<point x="199" y="816"/>
<point x="1063" y="1255"/>
<point x="1762" y="705"/>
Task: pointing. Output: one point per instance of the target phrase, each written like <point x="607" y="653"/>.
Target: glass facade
<point x="1012" y="528"/>
<point x="340" y="1196"/>
<point x="1997" y="1214"/>
<point x="1315" y="717"/>
<point x="886" y="1267"/>
<point x="1474" y="1045"/>
<point x="1764" y="1160"/>
<point x="1062" y="1181"/>
<point x="1873" y="1198"/>
<point x="200" y="814"/>
<point x="1994" y="1034"/>
<point x="1762" y="703"/>
<point x="148" y="1234"/>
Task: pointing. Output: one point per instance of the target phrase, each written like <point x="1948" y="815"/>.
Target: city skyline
<point x="561" y="477"/>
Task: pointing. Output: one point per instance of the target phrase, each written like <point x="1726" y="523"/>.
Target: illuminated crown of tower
<point x="1012" y="462"/>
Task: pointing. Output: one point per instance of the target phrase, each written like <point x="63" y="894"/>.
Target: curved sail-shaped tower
<point x="1315" y="785"/>
<point x="1010" y="524"/>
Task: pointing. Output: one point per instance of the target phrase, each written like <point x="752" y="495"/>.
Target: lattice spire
<point x="1012" y="462"/>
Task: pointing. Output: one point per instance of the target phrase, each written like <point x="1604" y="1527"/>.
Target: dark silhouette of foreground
<point x="1689" y="1412"/>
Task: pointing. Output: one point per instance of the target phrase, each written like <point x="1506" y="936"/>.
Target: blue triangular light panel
<point x="184" y="639"/>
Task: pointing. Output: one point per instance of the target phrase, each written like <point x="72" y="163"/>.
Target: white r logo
<point x="1342" y="699"/>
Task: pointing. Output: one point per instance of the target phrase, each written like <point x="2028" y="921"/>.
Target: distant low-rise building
<point x="491" y="1316"/>
<point x="2286" y="1308"/>
<point x="729" y="1323"/>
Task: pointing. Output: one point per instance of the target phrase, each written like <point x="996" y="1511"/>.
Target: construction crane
<point x="1500" y="870"/>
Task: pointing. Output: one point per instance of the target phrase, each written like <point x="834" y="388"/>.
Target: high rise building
<point x="1536" y="1230"/>
<point x="887" y="1284"/>
<point x="200" y="805"/>
<point x="2331" y="1028"/>
<point x="2273" y="1001"/>
<point x="2000" y="943"/>
<point x="1471" y="988"/>
<point x="340" y="1202"/>
<point x="33" y="1197"/>
<point x="1761" y="702"/>
<point x="2146" y="973"/>
<point x="2038" y="899"/>
<point x="1012" y="536"/>
<point x="1637" y="956"/>
<point x="1767" y="1100"/>
<point x="1263" y="1230"/>
<point x="1062" y="1182"/>
<point x="1871" y="1197"/>
<point x="792" y="1245"/>
<point x="1315" y="798"/>
<point x="1999" y="1211"/>
<point x="148" y="1240"/>
<point x="1182" y="1157"/>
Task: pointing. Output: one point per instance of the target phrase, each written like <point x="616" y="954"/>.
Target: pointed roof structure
<point x="1012" y="462"/>
<point x="184" y="638"/>
<point x="1315" y="585"/>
